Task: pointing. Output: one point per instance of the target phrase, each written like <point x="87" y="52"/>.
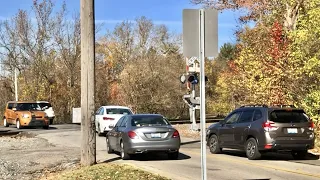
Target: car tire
<point x="173" y="155"/>
<point x="5" y="122"/>
<point x="99" y="131"/>
<point x="214" y="144"/>
<point x="252" y="151"/>
<point x="18" y="124"/>
<point x="123" y="153"/>
<point x="299" y="155"/>
<point x="46" y="127"/>
<point x="109" y="149"/>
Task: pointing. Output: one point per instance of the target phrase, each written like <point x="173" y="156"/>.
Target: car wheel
<point x="173" y="155"/>
<point x="299" y="155"/>
<point x="99" y="131"/>
<point x="5" y="123"/>
<point x="18" y="124"/>
<point x="214" y="144"/>
<point x="123" y="152"/>
<point x="109" y="149"/>
<point x="252" y="151"/>
<point x="46" y="127"/>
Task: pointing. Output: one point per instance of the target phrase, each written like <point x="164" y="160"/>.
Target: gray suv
<point x="261" y="128"/>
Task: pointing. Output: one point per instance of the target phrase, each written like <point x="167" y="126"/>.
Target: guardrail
<point x="187" y="121"/>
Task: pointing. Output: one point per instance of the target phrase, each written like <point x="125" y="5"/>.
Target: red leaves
<point x="279" y="42"/>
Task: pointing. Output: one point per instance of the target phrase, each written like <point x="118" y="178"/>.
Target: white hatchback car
<point x="109" y="115"/>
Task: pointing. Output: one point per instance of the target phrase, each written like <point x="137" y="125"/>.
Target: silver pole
<point x="16" y="83"/>
<point x="202" y="99"/>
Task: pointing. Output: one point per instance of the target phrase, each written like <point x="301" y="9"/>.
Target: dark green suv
<point x="261" y="128"/>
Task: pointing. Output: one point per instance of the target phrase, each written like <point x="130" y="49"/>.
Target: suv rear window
<point x="283" y="116"/>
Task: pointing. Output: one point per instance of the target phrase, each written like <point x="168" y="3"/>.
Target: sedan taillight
<point x="175" y="134"/>
<point x="107" y="118"/>
<point x="133" y="135"/>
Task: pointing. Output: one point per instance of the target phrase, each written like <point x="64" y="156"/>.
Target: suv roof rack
<point x="284" y="105"/>
<point x="254" y="105"/>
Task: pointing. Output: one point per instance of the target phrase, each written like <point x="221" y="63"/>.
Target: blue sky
<point x="111" y="12"/>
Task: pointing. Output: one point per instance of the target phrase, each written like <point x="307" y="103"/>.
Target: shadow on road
<point x="158" y="157"/>
<point x="280" y="156"/>
<point x="189" y="142"/>
<point x="111" y="160"/>
<point x="50" y="128"/>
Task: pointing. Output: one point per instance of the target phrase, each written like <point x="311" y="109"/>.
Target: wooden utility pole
<point x="88" y="135"/>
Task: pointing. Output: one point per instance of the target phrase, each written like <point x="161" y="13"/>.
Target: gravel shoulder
<point x="27" y="156"/>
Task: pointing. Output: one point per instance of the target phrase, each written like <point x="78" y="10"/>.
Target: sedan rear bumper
<point x="170" y="145"/>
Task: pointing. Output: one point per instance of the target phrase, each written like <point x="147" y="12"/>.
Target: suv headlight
<point x="25" y="115"/>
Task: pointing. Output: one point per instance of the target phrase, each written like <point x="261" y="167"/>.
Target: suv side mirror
<point x="14" y="109"/>
<point x="222" y="122"/>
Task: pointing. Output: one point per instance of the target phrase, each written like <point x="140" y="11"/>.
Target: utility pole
<point x="88" y="135"/>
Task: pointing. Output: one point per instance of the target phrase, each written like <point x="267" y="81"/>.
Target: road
<point x="229" y="165"/>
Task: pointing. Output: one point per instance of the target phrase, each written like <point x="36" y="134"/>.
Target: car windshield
<point x="283" y="116"/>
<point x="28" y="106"/>
<point x="118" y="111"/>
<point x="149" y="121"/>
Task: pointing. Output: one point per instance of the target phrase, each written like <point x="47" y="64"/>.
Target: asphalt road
<point x="229" y="165"/>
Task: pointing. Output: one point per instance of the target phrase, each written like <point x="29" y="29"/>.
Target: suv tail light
<point x="107" y="118"/>
<point x="269" y="126"/>
<point x="311" y="126"/>
<point x="175" y="134"/>
<point x="133" y="135"/>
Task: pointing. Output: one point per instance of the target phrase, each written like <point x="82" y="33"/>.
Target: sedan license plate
<point x="292" y="130"/>
<point x="155" y="135"/>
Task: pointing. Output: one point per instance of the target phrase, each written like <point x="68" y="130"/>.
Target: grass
<point x="106" y="172"/>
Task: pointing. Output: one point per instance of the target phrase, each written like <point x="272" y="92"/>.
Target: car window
<point x="148" y="121"/>
<point x="246" y="116"/>
<point x="124" y="122"/>
<point x="98" y="111"/>
<point x="119" y="122"/>
<point x="233" y="118"/>
<point x="45" y="105"/>
<point x="10" y="105"/>
<point x="285" y="116"/>
<point x="118" y="111"/>
<point x="28" y="107"/>
<point x="101" y="111"/>
<point x="257" y="115"/>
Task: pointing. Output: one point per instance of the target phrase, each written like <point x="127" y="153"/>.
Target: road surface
<point x="229" y="165"/>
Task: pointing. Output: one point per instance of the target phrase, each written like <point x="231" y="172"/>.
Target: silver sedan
<point x="142" y="133"/>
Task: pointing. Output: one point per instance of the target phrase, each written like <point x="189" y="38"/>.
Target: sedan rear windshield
<point x="118" y="111"/>
<point x="148" y="121"/>
<point x="283" y="116"/>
